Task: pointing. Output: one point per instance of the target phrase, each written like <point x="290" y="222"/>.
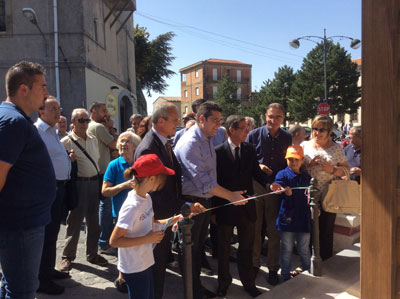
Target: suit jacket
<point x="234" y="179"/>
<point x="168" y="200"/>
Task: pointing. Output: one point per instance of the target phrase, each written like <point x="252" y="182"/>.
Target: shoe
<point x="60" y="275"/>
<point x="50" y="288"/>
<point x="121" y="286"/>
<point x="65" y="265"/>
<point x="98" y="260"/>
<point x="107" y="251"/>
<point x="206" y="271"/>
<point x="273" y="278"/>
<point x="208" y="294"/>
<point x="253" y="292"/>
<point x="221" y="292"/>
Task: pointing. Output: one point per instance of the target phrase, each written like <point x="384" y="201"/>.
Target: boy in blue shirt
<point x="294" y="218"/>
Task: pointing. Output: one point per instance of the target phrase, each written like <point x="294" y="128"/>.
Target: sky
<point x="255" y="32"/>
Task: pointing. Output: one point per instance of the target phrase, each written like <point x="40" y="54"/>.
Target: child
<point x="134" y="232"/>
<point x="294" y="219"/>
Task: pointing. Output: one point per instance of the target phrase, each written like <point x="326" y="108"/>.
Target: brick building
<point x="200" y="80"/>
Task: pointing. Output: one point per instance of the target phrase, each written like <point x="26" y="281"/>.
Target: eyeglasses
<point x="322" y="130"/>
<point x="83" y="120"/>
<point x="216" y="121"/>
<point x="54" y="109"/>
<point x="125" y="141"/>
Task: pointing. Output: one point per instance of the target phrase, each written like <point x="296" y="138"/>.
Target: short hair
<point x="295" y="129"/>
<point x="134" y="116"/>
<point x="78" y="110"/>
<point x="197" y="103"/>
<point x="135" y="139"/>
<point x="325" y="120"/>
<point x="233" y="122"/>
<point x="250" y="119"/>
<point x="143" y="126"/>
<point x="163" y="111"/>
<point x="23" y="72"/>
<point x="207" y="108"/>
<point x="44" y="106"/>
<point x="356" y="131"/>
<point x="95" y="106"/>
<point x="277" y="106"/>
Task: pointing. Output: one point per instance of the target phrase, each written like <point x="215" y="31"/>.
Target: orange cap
<point x="294" y="151"/>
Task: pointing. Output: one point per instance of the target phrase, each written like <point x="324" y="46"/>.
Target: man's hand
<point x="266" y="169"/>
<point x="197" y="208"/>
<point x="288" y="191"/>
<point x="72" y="155"/>
<point x="237" y="196"/>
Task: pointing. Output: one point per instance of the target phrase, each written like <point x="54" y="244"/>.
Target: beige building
<point x="182" y="107"/>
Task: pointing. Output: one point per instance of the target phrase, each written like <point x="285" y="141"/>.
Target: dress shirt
<point x="58" y="154"/>
<point x="163" y="139"/>
<point x="196" y="154"/>
<point x="219" y="138"/>
<point x="103" y="138"/>
<point x="85" y="167"/>
<point x="232" y="147"/>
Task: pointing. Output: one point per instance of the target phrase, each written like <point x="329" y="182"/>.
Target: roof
<point x="168" y="99"/>
<point x="216" y="61"/>
<point x="358" y="61"/>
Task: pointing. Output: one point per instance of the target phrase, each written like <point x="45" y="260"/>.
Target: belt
<point x="61" y="182"/>
<point x="93" y="178"/>
<point x="193" y="199"/>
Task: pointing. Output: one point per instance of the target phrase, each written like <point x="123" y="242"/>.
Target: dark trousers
<point x="161" y="258"/>
<point x="326" y="226"/>
<point x="50" y="236"/>
<point x="140" y="284"/>
<point x="199" y="236"/>
<point x="245" y="230"/>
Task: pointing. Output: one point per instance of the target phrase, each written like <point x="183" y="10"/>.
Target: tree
<point x="277" y="90"/>
<point x="226" y="97"/>
<point x="152" y="59"/>
<point x="342" y="78"/>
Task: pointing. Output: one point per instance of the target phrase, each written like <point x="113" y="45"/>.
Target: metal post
<point x="185" y="227"/>
<point x="325" y="83"/>
<point x="316" y="262"/>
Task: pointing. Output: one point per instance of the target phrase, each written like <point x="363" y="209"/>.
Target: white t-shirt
<point x="136" y="216"/>
<point x="334" y="155"/>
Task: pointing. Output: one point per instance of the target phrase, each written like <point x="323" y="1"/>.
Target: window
<point x="186" y="94"/>
<point x="215" y="89"/>
<point x="2" y="15"/>
<point x="95" y="29"/>
<point x="239" y="75"/>
<point x="215" y="74"/>
<point x="186" y="109"/>
<point x="197" y="91"/>
<point x="183" y="77"/>
<point x="228" y="72"/>
<point x="341" y="117"/>
<point x="196" y="74"/>
<point x="354" y="117"/>
<point x="239" y="93"/>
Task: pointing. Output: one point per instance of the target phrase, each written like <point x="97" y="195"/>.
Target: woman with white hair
<point x="116" y="186"/>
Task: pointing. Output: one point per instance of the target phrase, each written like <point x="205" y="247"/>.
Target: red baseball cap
<point x="150" y="164"/>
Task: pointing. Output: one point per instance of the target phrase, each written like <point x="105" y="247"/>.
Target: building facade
<point x="94" y="58"/>
<point x="200" y="80"/>
<point x="181" y="107"/>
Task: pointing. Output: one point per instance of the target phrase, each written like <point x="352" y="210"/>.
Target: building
<point x="200" y="80"/>
<point x="174" y="100"/>
<point x="87" y="48"/>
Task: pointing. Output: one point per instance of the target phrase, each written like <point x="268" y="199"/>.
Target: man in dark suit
<point x="237" y="165"/>
<point x="166" y="202"/>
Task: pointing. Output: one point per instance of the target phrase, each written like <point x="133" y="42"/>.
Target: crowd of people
<point x="129" y="188"/>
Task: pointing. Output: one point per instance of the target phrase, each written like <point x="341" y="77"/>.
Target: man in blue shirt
<point x="353" y="153"/>
<point x="271" y="143"/>
<point x="27" y="182"/>
<point x="196" y="154"/>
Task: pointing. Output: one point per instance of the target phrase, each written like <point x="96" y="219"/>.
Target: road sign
<point x="323" y="108"/>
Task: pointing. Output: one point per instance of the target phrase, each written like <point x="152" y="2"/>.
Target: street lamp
<point x="30" y="14"/>
<point x="354" y="44"/>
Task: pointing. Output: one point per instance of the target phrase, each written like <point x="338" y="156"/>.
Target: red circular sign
<point x="323" y="108"/>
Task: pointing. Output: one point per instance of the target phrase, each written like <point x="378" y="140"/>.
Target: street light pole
<point x="295" y="43"/>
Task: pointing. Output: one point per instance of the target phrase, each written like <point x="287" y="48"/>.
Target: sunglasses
<point x="322" y="130"/>
<point x="83" y="120"/>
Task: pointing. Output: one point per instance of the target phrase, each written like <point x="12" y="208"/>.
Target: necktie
<point x="169" y="150"/>
<point x="237" y="158"/>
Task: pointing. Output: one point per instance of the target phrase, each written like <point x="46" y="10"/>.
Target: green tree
<point x="342" y="78"/>
<point x="152" y="59"/>
<point x="226" y="97"/>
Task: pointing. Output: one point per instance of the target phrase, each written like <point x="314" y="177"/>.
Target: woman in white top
<point x="136" y="230"/>
<point x="325" y="161"/>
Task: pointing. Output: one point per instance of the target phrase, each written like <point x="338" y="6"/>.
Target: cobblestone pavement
<point x="94" y="282"/>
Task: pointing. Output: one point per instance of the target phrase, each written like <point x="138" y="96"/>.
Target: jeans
<point x="140" y="284"/>
<point x="303" y="249"/>
<point x="20" y="253"/>
<point x="106" y="222"/>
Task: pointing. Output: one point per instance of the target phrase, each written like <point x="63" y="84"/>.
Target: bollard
<point x="316" y="262"/>
<point x="185" y="226"/>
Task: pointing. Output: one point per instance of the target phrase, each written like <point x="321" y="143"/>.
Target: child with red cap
<point x="134" y="232"/>
<point x="294" y="218"/>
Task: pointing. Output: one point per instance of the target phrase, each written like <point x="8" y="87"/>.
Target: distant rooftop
<point x="169" y="99"/>
<point x="215" y="60"/>
<point x="358" y="61"/>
